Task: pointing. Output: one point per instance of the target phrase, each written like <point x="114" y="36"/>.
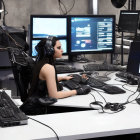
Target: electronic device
<point x="71" y="84"/>
<point x="128" y="21"/>
<point x="114" y="106"/>
<point x="112" y="89"/>
<point x="78" y="34"/>
<point x="133" y="65"/>
<point x="91" y="34"/>
<point x="10" y="114"/>
<point x="128" y="77"/>
<point x="67" y="69"/>
<point x="103" y="67"/>
<point x="96" y="83"/>
<point x="42" y="26"/>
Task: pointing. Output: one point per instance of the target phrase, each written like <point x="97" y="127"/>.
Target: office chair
<point x="22" y="72"/>
<point x="22" y="67"/>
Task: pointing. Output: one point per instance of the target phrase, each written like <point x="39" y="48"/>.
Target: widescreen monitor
<point x="92" y="34"/>
<point x="128" y="21"/>
<point x="42" y="26"/>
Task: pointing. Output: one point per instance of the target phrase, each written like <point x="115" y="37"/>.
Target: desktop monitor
<point x="42" y="26"/>
<point x="133" y="65"/>
<point x="92" y="34"/>
<point x="128" y="21"/>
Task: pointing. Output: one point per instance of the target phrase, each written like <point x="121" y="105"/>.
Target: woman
<point x="45" y="80"/>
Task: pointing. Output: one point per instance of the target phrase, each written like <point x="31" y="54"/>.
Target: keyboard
<point x="103" y="67"/>
<point x="18" y="56"/>
<point x="122" y="75"/>
<point x="129" y="78"/>
<point x="71" y="84"/>
<point x="10" y="114"/>
<point x="67" y="69"/>
<point x="95" y="83"/>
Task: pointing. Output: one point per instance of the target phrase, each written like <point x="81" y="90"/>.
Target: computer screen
<point x="35" y="42"/>
<point x="42" y="26"/>
<point x="92" y="34"/>
<point x="133" y="65"/>
<point x="128" y="21"/>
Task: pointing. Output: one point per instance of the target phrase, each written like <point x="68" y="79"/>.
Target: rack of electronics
<point x="78" y="34"/>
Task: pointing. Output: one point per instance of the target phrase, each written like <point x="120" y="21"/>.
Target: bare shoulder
<point x="47" y="66"/>
<point x="46" y="71"/>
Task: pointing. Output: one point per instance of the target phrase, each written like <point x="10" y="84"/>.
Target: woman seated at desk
<point x="45" y="86"/>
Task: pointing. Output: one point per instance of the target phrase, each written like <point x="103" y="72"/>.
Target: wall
<point x="106" y="7"/>
<point x="19" y="11"/>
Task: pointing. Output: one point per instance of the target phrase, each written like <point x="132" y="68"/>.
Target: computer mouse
<point x="113" y="89"/>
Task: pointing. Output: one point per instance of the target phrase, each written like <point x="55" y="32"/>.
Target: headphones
<point x="115" y="107"/>
<point x="48" y="48"/>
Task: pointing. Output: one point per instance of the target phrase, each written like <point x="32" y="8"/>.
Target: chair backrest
<point x="23" y="76"/>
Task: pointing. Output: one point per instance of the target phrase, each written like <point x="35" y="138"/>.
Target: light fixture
<point x="121" y="3"/>
<point x="118" y="3"/>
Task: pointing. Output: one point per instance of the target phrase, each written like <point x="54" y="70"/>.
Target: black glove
<point x="83" y="90"/>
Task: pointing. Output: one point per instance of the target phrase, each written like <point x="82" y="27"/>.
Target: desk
<point x="81" y="124"/>
<point x="91" y="124"/>
<point x="31" y="131"/>
<point x="84" y="101"/>
<point x="77" y="125"/>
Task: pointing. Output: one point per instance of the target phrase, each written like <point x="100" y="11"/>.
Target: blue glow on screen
<point x="91" y="34"/>
<point x="43" y="27"/>
<point x="35" y="42"/>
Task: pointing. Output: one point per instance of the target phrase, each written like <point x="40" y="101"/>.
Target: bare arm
<point x="60" y="78"/>
<point x="48" y="73"/>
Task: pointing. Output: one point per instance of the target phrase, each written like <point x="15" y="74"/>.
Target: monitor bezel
<point x="92" y="52"/>
<point x="128" y="11"/>
<point x="47" y="16"/>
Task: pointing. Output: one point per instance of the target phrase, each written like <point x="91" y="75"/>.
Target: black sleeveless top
<point x="41" y="89"/>
<point x="38" y="86"/>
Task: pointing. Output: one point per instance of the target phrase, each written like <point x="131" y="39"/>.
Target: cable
<point x="65" y="11"/>
<point x="46" y="126"/>
<point x="61" y="9"/>
<point x="99" y="94"/>
<point x="71" y="7"/>
<point x="4" y="31"/>
<point x="92" y="96"/>
<point x="126" y="88"/>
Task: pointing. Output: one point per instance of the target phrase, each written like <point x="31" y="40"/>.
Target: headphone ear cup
<point x="49" y="49"/>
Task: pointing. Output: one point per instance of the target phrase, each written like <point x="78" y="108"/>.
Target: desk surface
<point x="81" y="124"/>
<point x="77" y="125"/>
<point x="91" y="124"/>
<point x="84" y="101"/>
